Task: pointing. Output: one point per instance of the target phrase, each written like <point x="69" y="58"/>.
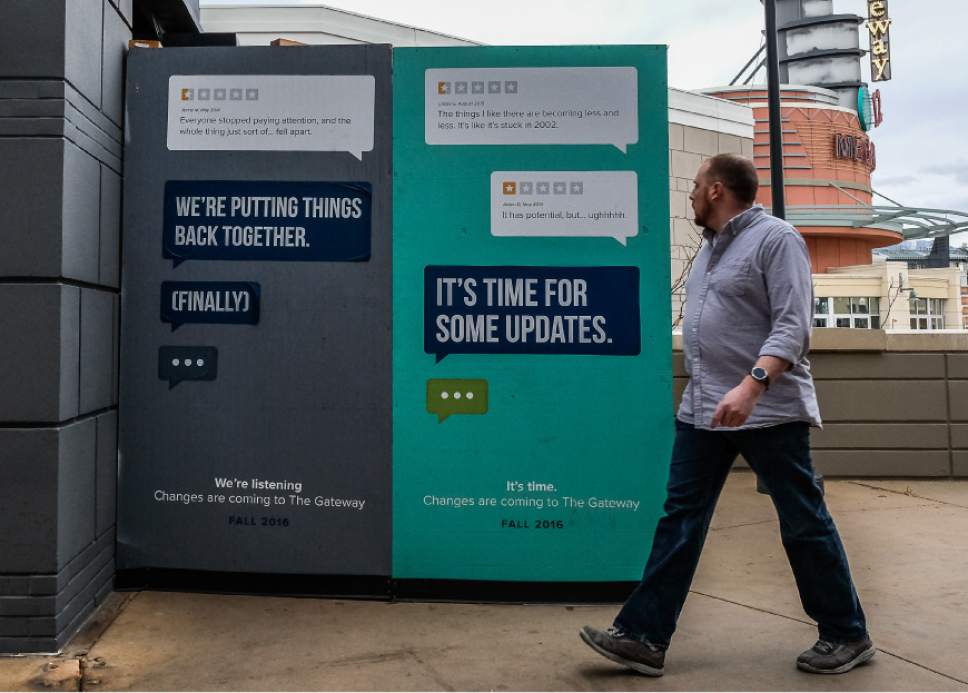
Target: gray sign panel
<point x="257" y="445"/>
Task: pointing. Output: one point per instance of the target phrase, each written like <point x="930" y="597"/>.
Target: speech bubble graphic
<point x="179" y="363"/>
<point x="221" y="303"/>
<point x="532" y="105"/>
<point x="319" y="113"/>
<point x="531" y="310"/>
<point x="267" y="220"/>
<point x="581" y="204"/>
<point x="449" y="396"/>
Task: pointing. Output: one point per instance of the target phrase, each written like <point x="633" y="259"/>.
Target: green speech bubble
<point x="449" y="396"/>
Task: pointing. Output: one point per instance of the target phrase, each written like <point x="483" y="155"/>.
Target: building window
<point x="927" y="313"/>
<point x="820" y="310"/>
<point x="857" y="312"/>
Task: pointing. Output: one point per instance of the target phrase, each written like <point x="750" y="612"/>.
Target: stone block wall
<point x="61" y="139"/>
<point x="689" y="146"/>
<point x="893" y="406"/>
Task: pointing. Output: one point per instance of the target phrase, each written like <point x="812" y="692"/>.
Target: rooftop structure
<point x="257" y="24"/>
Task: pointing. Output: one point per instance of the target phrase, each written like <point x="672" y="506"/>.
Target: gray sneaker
<point x="617" y="646"/>
<point x="835" y="658"/>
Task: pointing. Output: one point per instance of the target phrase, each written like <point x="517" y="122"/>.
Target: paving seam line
<point x="910" y="495"/>
<point x="433" y="672"/>
<point x="931" y="504"/>
<point x="810" y="623"/>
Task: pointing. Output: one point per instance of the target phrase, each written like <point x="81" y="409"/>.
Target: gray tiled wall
<point x="61" y="112"/>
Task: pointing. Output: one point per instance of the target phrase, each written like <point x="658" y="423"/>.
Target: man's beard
<point x="700" y="218"/>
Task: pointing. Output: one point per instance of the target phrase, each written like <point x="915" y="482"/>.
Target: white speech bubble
<point x="320" y="113"/>
<point x="532" y="105"/>
<point x="574" y="204"/>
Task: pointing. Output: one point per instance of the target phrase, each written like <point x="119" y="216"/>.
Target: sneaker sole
<point x="635" y="666"/>
<point x="862" y="658"/>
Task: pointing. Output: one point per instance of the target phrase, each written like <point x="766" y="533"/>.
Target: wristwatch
<point x="761" y="376"/>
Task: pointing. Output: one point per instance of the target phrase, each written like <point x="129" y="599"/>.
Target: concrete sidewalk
<point x="741" y="628"/>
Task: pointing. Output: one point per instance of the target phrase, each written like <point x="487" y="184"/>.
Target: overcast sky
<point x="922" y="145"/>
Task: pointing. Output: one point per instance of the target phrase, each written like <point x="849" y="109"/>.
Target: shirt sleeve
<point x="789" y="286"/>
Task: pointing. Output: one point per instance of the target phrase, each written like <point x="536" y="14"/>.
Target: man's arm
<point x="789" y="284"/>
<point x="738" y="404"/>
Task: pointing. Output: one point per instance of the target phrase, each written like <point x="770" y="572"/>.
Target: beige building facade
<point x="890" y="296"/>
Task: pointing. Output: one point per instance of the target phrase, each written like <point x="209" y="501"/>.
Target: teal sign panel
<point x="532" y="383"/>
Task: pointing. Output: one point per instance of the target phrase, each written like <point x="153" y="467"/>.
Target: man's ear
<point x="715" y="191"/>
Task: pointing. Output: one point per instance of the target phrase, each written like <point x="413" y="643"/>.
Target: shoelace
<point x="619" y="633"/>
<point x="824" y="647"/>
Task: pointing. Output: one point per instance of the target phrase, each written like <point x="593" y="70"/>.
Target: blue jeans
<point x="780" y="456"/>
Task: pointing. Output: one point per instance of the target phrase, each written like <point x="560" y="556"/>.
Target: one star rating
<point x="510" y="188"/>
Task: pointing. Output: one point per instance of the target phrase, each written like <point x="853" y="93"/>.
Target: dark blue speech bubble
<point x="531" y="310"/>
<point x="221" y="303"/>
<point x="267" y="220"/>
<point x="179" y="363"/>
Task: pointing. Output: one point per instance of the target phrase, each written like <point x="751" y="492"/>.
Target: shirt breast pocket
<point x="734" y="279"/>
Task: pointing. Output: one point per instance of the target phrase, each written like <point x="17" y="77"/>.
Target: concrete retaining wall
<point x="893" y="405"/>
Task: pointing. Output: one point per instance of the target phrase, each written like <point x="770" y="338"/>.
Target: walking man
<point x="746" y="333"/>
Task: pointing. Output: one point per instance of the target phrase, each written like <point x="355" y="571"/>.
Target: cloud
<point x="895" y="180"/>
<point x="957" y="169"/>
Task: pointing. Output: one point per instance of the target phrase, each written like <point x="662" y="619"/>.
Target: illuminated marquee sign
<point x="856" y="149"/>
<point x="879" y="25"/>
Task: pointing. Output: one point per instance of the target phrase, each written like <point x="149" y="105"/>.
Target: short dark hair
<point x="737" y="173"/>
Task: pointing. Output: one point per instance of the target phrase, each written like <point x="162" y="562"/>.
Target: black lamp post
<point x="776" y="119"/>
<point x="776" y="140"/>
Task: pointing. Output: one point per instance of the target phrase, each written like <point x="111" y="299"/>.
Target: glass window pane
<point x="862" y="323"/>
<point x="914" y="323"/>
<point x="937" y="306"/>
<point x="842" y="306"/>
<point x="821" y="306"/>
<point x="875" y="304"/>
<point x="858" y="306"/>
<point x="820" y="322"/>
<point x="843" y="322"/>
<point x="875" y="322"/>
<point x="922" y="323"/>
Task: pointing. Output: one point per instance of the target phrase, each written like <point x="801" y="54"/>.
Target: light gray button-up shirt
<point x="749" y="294"/>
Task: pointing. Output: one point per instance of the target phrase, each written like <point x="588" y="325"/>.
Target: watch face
<point x="759" y="373"/>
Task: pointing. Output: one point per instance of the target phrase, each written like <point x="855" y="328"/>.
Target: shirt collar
<point x="740" y="222"/>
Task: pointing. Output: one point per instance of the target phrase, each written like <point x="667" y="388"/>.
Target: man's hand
<point x="738" y="404"/>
